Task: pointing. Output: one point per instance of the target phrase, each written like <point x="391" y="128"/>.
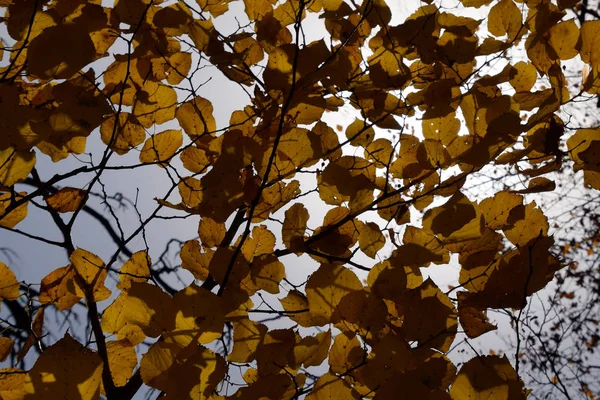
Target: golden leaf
<point x="136" y="269"/>
<point x="121" y="360"/>
<point x="57" y="288"/>
<point x="430" y="317"/>
<point x="487" y="377"/>
<point x="65" y="362"/>
<point x="10" y="216"/>
<point x="6" y="347"/>
<point x="329" y="387"/>
<point x="313" y="350"/>
<point x="127" y="134"/>
<point x="326" y="288"/>
<point x="143" y="308"/>
<point x="92" y="271"/>
<point x="505" y="18"/>
<point x="67" y="199"/>
<point x="15" y="165"/>
<point x="59" y="52"/>
<point x="161" y="147"/>
<point x="370" y="239"/>
<point x="9" y="286"/>
<point x="211" y="233"/>
<point x="196" y="117"/>
<point x="247" y="335"/>
<point x="564" y="39"/>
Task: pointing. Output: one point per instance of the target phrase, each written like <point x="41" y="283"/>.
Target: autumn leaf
<point x="65" y="361"/>
<point x="9" y="286"/>
<point x="67" y="200"/>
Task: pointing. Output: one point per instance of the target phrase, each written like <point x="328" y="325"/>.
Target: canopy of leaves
<point x="76" y="69"/>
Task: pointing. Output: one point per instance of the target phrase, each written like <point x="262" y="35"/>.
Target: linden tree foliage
<point x="281" y="182"/>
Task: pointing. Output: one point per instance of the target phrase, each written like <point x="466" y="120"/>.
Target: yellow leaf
<point x="505" y="18"/>
<point x="180" y="67"/>
<point x="92" y="271"/>
<point x="475" y="3"/>
<point x="56" y="288"/>
<point x="456" y="221"/>
<point x="294" y="226"/>
<point x="190" y="373"/>
<point x="199" y="316"/>
<point x="126" y="135"/>
<point x="441" y="128"/>
<point x="528" y="226"/>
<point x="490" y="377"/>
<point x="473" y="321"/>
<point x="326" y="288"/>
<point x="11" y="218"/>
<point x="564" y="39"/>
<point x="313" y="350"/>
<point x="247" y="335"/>
<point x="506" y="282"/>
<point x="267" y="272"/>
<point x="161" y="147"/>
<point x="11" y="383"/>
<point x="359" y="133"/>
<point x="296" y="304"/>
<point x="66" y="200"/>
<point x="370" y="239"/>
<point x="525" y="77"/>
<point x="538" y="185"/>
<point x="430" y="317"/>
<point x="496" y="210"/>
<point x="194" y="159"/>
<point x="194" y="260"/>
<point x="330" y="387"/>
<point x="143" y="307"/>
<point x="6" y="347"/>
<point x="211" y="233"/>
<point x="190" y="190"/>
<point x="261" y="242"/>
<point x="362" y="313"/>
<point x="60" y="51"/>
<point x="590" y="43"/>
<point x="583" y="147"/>
<point x="9" y="286"/>
<point x="15" y="165"/>
<point x="121" y="360"/>
<point x="346" y="353"/>
<point x="136" y="269"/>
<point x="196" y="117"/>
<point x="60" y="365"/>
<point x="390" y="279"/>
<point x="155" y="104"/>
<point x="420" y="248"/>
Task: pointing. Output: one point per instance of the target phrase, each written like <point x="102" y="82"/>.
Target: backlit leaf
<point x="247" y="336"/>
<point x="121" y="360"/>
<point x="196" y="117"/>
<point x="485" y="378"/>
<point x="65" y="362"/>
<point x="92" y="271"/>
<point x="6" y="347"/>
<point x="161" y="147"/>
<point x="9" y="286"/>
<point x="66" y="200"/>
<point x="11" y="213"/>
<point x="15" y="165"/>
<point x="505" y="18"/>
<point x="329" y="387"/>
<point x="136" y="269"/>
<point x="211" y="233"/>
<point x="326" y="288"/>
